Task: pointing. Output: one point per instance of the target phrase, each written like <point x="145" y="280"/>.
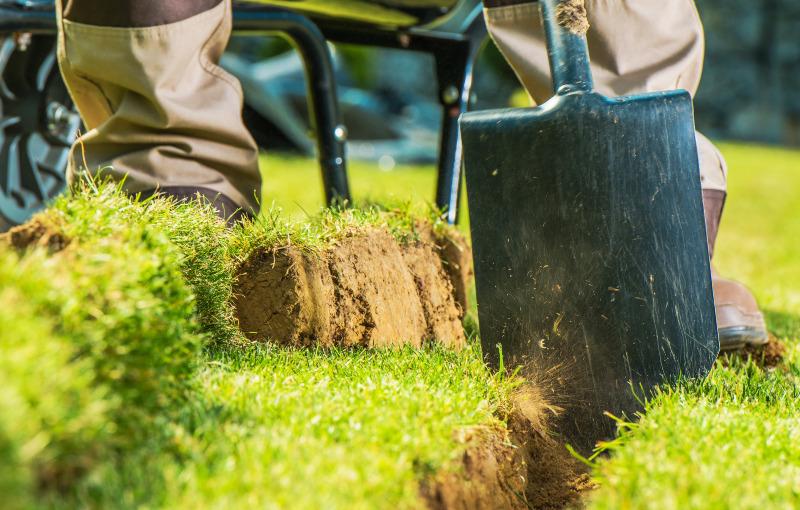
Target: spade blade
<point x="591" y="261"/>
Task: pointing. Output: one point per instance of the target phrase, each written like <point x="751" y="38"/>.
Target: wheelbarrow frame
<point x="454" y="41"/>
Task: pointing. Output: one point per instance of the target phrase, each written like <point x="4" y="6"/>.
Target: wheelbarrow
<point x="39" y="123"/>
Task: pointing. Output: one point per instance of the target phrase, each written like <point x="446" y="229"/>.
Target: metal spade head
<point x="590" y="247"/>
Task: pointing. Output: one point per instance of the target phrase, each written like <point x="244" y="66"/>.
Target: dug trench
<point x="369" y="289"/>
<point x="520" y="467"/>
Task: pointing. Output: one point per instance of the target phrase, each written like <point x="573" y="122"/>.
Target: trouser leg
<point x="635" y="46"/>
<point x="158" y="109"/>
<point x="134" y="13"/>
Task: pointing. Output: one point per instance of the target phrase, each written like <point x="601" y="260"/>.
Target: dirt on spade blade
<point x="367" y="289"/>
<point x="520" y="467"/>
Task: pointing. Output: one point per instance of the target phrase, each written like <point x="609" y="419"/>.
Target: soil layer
<point x="456" y="257"/>
<point x="35" y="233"/>
<point x="520" y="467"/>
<point x="769" y="355"/>
<point x="367" y="290"/>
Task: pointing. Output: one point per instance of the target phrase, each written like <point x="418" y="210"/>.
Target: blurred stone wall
<point x="751" y="84"/>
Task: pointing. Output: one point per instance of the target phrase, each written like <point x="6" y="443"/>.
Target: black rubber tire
<point x="38" y="124"/>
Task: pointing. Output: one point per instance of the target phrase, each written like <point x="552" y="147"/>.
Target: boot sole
<point x="733" y="339"/>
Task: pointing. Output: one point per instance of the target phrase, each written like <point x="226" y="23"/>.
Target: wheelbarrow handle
<point x="567" y="51"/>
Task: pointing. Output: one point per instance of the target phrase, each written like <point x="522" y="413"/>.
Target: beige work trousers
<point x="159" y="111"/>
<point x="634" y="45"/>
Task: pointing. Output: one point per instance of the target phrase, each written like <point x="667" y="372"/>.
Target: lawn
<point x="733" y="440"/>
<point x="124" y="382"/>
<point x="294" y="184"/>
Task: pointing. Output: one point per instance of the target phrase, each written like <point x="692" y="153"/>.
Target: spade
<point x="591" y="261"/>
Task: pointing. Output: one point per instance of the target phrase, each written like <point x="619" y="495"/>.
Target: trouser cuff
<point x="159" y="110"/>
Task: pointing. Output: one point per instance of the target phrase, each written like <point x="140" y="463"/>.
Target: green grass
<point x="732" y="441"/>
<point x="54" y="427"/>
<point x="337" y="429"/>
<point x="124" y="382"/>
<point x="760" y="236"/>
<point x="294" y="185"/>
<point x="327" y="226"/>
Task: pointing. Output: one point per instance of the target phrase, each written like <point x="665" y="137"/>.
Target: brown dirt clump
<point x="521" y="467"/>
<point x="367" y="290"/>
<point x="456" y="256"/>
<point x="36" y="233"/>
<point x="769" y="355"/>
<point x="571" y="14"/>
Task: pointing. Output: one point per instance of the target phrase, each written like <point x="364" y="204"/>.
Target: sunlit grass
<point x="123" y="380"/>
<point x="732" y="441"/>
<point x="294" y="184"/>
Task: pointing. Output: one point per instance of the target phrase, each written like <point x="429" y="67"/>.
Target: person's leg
<point x="134" y="13"/>
<point x="637" y="46"/>
<point x="739" y="320"/>
<point x="160" y="113"/>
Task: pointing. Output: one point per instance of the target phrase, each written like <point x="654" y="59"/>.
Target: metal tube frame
<point x="454" y="71"/>
<point x="324" y="108"/>
<point x="454" y="53"/>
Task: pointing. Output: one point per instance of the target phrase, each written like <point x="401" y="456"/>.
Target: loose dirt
<point x="367" y="290"/>
<point x="571" y="14"/>
<point x="520" y="467"/>
<point x="767" y="356"/>
<point x="33" y="234"/>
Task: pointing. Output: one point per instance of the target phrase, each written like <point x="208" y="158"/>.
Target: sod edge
<point x="93" y="238"/>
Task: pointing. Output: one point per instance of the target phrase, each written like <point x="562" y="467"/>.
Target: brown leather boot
<point x="739" y="320"/>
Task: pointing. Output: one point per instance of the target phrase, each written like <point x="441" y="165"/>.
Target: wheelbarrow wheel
<point x="38" y="124"/>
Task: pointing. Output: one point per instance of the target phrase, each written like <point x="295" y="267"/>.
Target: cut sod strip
<point x="150" y="395"/>
<point x="361" y="287"/>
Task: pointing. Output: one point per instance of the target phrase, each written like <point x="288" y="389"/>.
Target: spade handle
<point x="567" y="51"/>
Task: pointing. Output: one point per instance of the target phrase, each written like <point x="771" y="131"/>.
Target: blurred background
<point x="752" y="74"/>
<point x="749" y="90"/>
<point x="749" y="94"/>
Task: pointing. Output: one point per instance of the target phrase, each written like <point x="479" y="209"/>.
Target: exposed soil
<point x="456" y="257"/>
<point x="571" y="14"/>
<point x="36" y="233"/>
<point x="367" y="290"/>
<point x="767" y="356"/>
<point x="519" y="468"/>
